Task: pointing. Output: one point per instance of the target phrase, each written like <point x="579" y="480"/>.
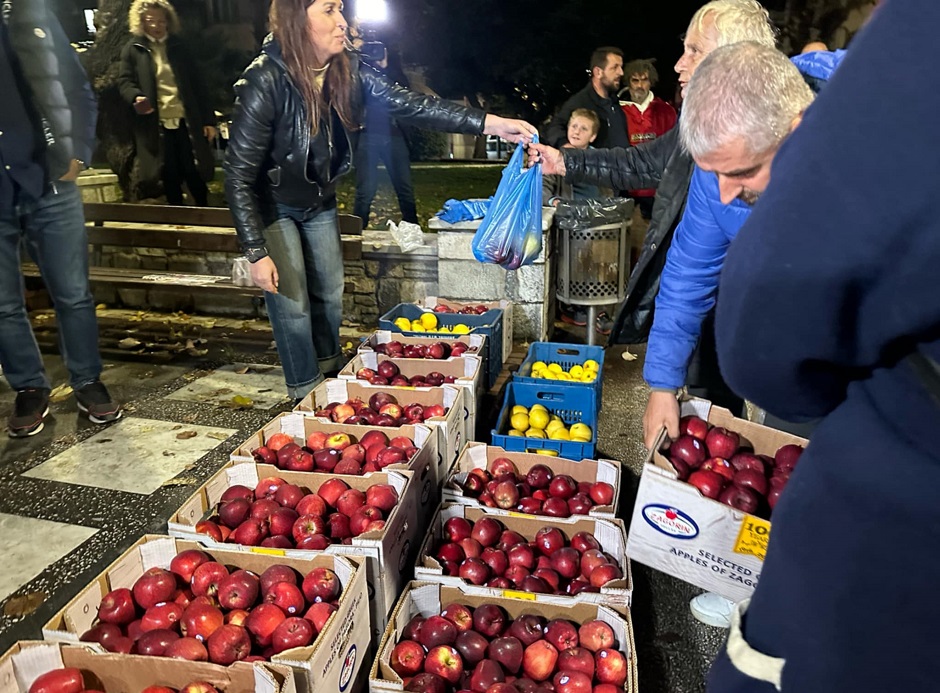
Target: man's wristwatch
<point x="255" y="254"/>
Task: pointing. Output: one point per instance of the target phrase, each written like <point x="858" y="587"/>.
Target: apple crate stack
<point x="412" y="320"/>
<point x="705" y="502"/>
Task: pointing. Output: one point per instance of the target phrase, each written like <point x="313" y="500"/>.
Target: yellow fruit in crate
<point x="538" y="406"/>
<point x="560" y="434"/>
<point x="519" y="409"/>
<point x="588" y="378"/>
<point x="535" y="433"/>
<point x="417" y="327"/>
<point x="576" y="371"/>
<point x="539" y="366"/>
<point x="403" y="324"/>
<point x="581" y="432"/>
<point x="520" y="422"/>
<point x="553" y="426"/>
<point x="429" y="320"/>
<point x="461" y="329"/>
<point x="539" y="418"/>
<point x="554" y="368"/>
<point x="515" y="433"/>
<point x="549" y="453"/>
<point x="555" y="417"/>
<point x="591" y="365"/>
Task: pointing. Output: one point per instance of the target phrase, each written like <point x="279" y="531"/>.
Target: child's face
<point x="580" y="132"/>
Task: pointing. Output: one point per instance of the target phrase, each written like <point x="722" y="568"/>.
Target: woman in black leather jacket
<point x="299" y="106"/>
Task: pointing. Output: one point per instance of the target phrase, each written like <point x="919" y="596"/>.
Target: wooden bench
<point x="193" y="229"/>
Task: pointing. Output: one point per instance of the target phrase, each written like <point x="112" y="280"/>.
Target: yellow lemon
<point x="588" y="378"/>
<point x="581" y="431"/>
<point x="553" y="426"/>
<point x="520" y="422"/>
<point x="591" y="365"/>
<point x="564" y="376"/>
<point x="576" y="371"/>
<point x="548" y="375"/>
<point x="555" y="417"/>
<point x="461" y="329"/>
<point x="560" y="434"/>
<point x="538" y="406"/>
<point x="403" y="324"/>
<point x="417" y="327"/>
<point x="429" y="320"/>
<point x="534" y="433"/>
<point x="539" y="418"/>
<point x="549" y="453"/>
<point x="554" y="368"/>
<point x="519" y="409"/>
<point x="538" y="366"/>
<point x="514" y="433"/>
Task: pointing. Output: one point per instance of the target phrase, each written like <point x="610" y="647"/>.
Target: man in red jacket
<point x="648" y="117"/>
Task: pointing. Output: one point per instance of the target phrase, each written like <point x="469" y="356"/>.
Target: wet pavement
<point x="75" y="496"/>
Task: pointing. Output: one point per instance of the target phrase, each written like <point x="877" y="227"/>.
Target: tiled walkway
<point x="76" y="495"/>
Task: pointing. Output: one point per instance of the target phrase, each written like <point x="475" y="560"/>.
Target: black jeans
<point x="179" y="165"/>
<point x="393" y="152"/>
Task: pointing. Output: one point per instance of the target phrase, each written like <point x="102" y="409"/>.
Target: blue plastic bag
<point x="511" y="232"/>
<point x="463" y="210"/>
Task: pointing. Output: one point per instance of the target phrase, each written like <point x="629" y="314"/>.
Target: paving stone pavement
<point x="75" y="496"/>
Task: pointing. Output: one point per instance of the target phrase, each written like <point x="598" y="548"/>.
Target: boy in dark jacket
<point x="829" y="308"/>
<point x="47" y="132"/>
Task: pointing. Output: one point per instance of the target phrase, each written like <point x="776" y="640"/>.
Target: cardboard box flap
<point x="33" y="661"/>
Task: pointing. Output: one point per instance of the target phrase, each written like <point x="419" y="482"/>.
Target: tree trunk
<point x="115" y="117"/>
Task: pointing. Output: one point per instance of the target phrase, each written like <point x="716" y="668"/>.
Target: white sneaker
<point x="712" y="610"/>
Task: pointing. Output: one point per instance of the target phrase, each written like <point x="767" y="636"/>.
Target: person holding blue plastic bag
<point x="299" y="109"/>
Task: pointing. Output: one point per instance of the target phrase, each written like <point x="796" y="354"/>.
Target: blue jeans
<point x="54" y="233"/>
<point x="307" y="310"/>
<point x="393" y="152"/>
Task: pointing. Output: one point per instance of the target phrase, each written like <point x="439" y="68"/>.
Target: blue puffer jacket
<point x="689" y="284"/>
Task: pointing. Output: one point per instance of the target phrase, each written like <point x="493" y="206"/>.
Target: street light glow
<point x="371" y="11"/>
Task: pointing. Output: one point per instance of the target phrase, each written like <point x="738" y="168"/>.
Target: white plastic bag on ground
<point x="408" y="236"/>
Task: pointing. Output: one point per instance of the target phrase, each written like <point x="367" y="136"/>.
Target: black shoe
<point x="604" y="324"/>
<point x="31" y="408"/>
<point x="574" y="316"/>
<point x="94" y="400"/>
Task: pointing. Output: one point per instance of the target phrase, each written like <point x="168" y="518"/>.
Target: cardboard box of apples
<point x="446" y="305"/>
<point x="580" y="559"/>
<point x="442" y="638"/>
<point x="442" y="408"/>
<point x="47" y="667"/>
<point x="530" y="490"/>
<point x="465" y="371"/>
<point x="703" y="508"/>
<point x="167" y="597"/>
<point x="299" y="442"/>
<point x="369" y="517"/>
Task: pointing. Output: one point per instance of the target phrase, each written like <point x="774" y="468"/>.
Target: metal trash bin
<point x="593" y="254"/>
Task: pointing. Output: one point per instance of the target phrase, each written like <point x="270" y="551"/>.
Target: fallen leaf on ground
<point x="627" y="356"/>
<point x="61" y="393"/>
<point x="190" y="418"/>
<point x="241" y="370"/>
<point x="128" y="343"/>
<point x="218" y="435"/>
<point x="186" y="435"/>
<point x="18" y="607"/>
<point x="242" y="402"/>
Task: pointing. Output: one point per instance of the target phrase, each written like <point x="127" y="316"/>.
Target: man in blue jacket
<point x="830" y="308"/>
<point x="47" y="133"/>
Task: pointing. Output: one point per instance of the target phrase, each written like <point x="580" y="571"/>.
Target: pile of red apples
<point x="337" y="453"/>
<point x="466" y="310"/>
<point x="201" y="610"/>
<point x="383" y="409"/>
<point x="434" y="350"/>
<point x="481" y="649"/>
<point x="486" y="553"/>
<point x="537" y="492"/>
<point x="713" y="459"/>
<point x="280" y="515"/>
<point x="388" y="373"/>
<point x="72" y="680"/>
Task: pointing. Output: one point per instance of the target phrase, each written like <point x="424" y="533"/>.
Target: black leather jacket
<point x="267" y="157"/>
<point x="662" y="164"/>
<point x="57" y="84"/>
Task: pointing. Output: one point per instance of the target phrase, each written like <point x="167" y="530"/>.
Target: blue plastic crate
<point x="489" y="323"/>
<point x="566" y="356"/>
<point x="571" y="404"/>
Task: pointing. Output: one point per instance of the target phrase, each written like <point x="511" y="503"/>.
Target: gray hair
<point x="737" y="20"/>
<point x="745" y="90"/>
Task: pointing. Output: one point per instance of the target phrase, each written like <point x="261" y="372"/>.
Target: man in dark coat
<point x="829" y="308"/>
<point x="47" y="133"/>
<point x="599" y="95"/>
<point x="173" y="127"/>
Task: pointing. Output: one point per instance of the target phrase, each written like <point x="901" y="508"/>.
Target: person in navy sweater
<point x="830" y="308"/>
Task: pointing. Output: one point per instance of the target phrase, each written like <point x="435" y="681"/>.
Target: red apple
<point x="165" y="615"/>
<point x="603" y="574"/>
<point x="596" y="635"/>
<point x="316" y="440"/>
<point x="722" y="443"/>
<point x="471" y="646"/>
<point x="104" y="634"/>
<point x="210" y="529"/>
<point x="788" y="456"/>
<point x="437" y="630"/>
<point x="321" y="585"/>
<point x="239" y="590"/>
<point x="720" y="466"/>
<point x="117" y="607"/>
<point x="571" y="682"/>
<point x="331" y="490"/>
<point x="66" y="680"/>
<point x="602" y="493"/>
<point x="708" y="483"/>
<point x="489" y="620"/>
<point x="611" y="667"/>
<point x="562" y="486"/>
<point x="538" y="660"/>
<point x="577" y="659"/>
<point x="562" y="634"/>
<point x="274" y="574"/>
<point x="287" y="597"/>
<point x="228" y="644"/>
<point x="693" y="426"/>
<point x="474" y="571"/>
<point x="184" y="563"/>
<point x="689" y="450"/>
<point x="292" y="632"/>
<point x="426" y="683"/>
<point x="153" y="643"/>
<point x="740" y="497"/>
<point x="486" y="530"/>
<point x="278" y="440"/>
<point x="457" y="528"/>
<point x="154" y="586"/>
<point x="459" y="615"/>
<point x="268" y="487"/>
<point x="582" y="541"/>
<point x="318" y="614"/>
<point x="261" y="622"/>
<point x="200" y="620"/>
<point x="407" y="659"/>
<point x="444" y="661"/>
<point x="187" y="648"/>
<point x="549" y="540"/>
